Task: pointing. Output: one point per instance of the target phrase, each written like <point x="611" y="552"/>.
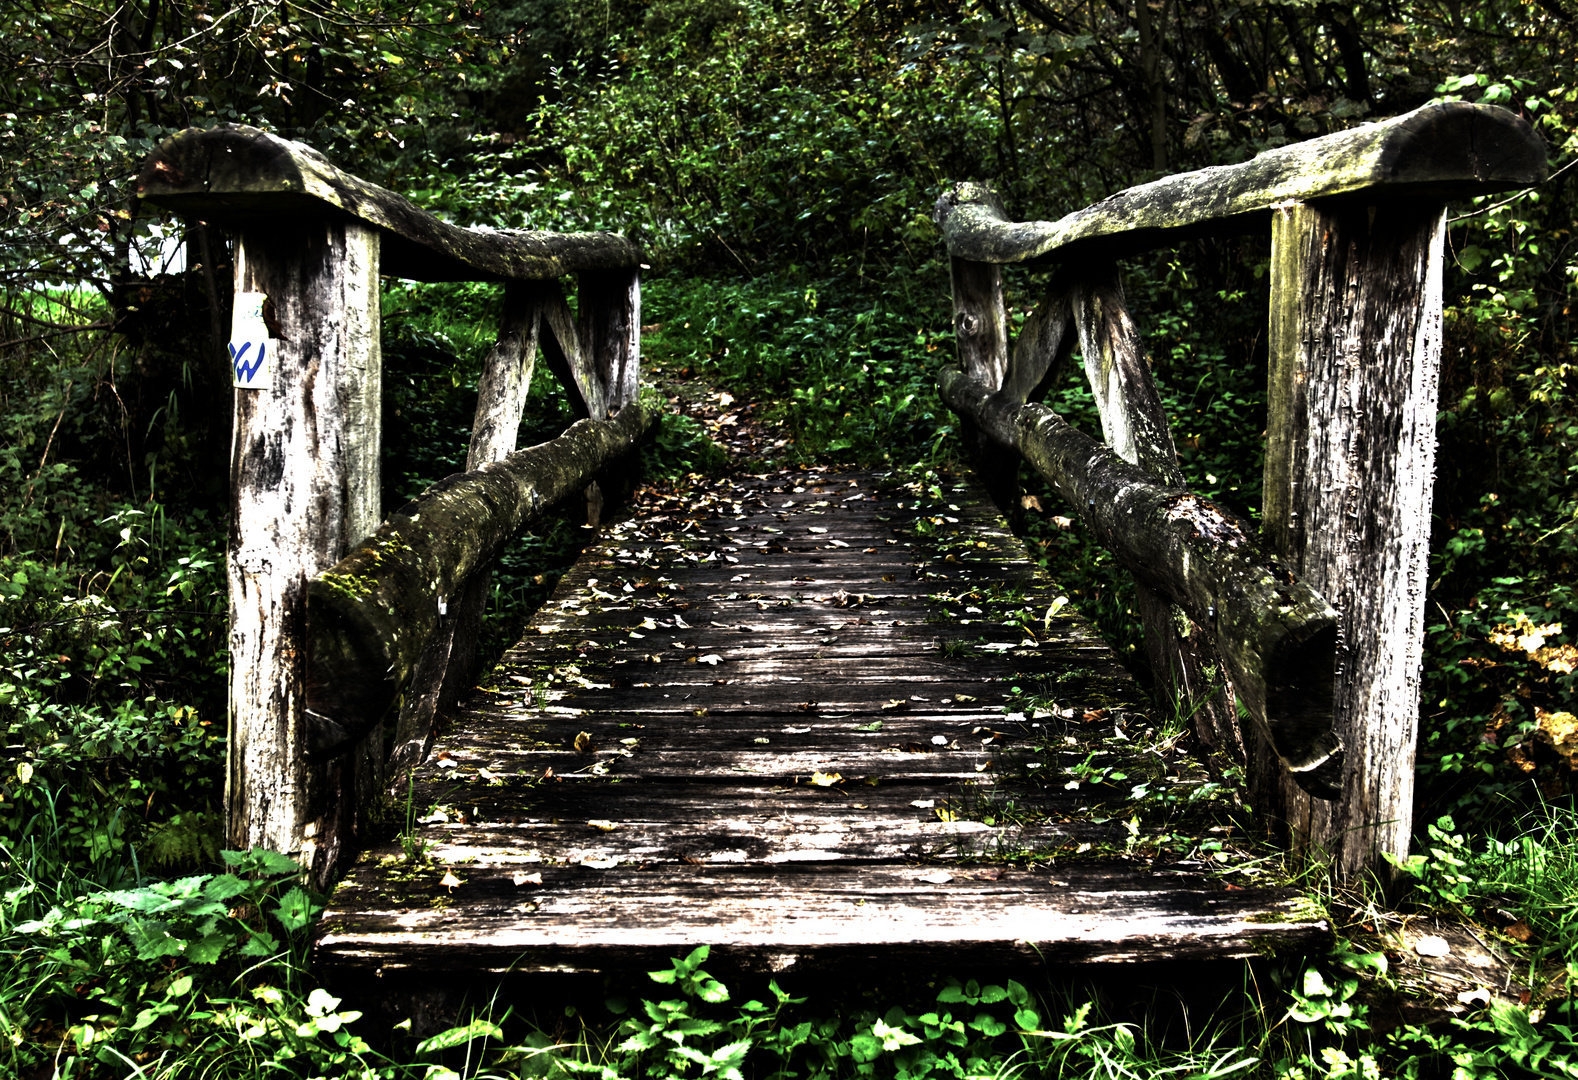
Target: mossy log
<point x="236" y="175"/>
<point x="370" y="616"/>
<point x="1438" y="153"/>
<point x="1277" y="636"/>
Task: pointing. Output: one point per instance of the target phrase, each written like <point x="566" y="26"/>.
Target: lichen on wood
<point x="234" y="175"/>
<point x="1437" y="152"/>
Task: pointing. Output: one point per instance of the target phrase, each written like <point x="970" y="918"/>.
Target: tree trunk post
<point x="451" y="652"/>
<point x="1355" y="349"/>
<point x="1189" y="674"/>
<point x="608" y="309"/>
<point x="980" y="327"/>
<point x="304" y="488"/>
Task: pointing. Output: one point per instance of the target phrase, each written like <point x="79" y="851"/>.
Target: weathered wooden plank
<point x="825" y="835"/>
<point x="237" y="175"/>
<point x="1356" y="347"/>
<point x="522" y="800"/>
<point x="1436" y="153"/>
<point x="304" y="482"/>
<point x="585" y="919"/>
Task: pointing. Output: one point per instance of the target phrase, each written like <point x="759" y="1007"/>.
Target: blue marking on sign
<point x="244" y="370"/>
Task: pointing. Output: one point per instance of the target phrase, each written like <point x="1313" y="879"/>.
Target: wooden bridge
<point x="779" y="718"/>
<point x="827" y="717"/>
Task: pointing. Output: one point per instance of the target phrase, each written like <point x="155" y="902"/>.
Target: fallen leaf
<point x="1519" y="931"/>
<point x="449" y="880"/>
<point x="584" y="743"/>
<point x="602" y="825"/>
<point x="944" y="814"/>
<point x="895" y="706"/>
<point x="822" y="779"/>
<point x="520" y="878"/>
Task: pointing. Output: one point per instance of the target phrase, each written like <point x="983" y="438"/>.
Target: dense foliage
<point x="778" y="160"/>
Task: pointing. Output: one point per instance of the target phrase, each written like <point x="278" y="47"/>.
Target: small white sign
<point x="251" y="349"/>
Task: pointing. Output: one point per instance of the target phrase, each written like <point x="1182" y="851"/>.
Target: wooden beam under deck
<point x="778" y="717"/>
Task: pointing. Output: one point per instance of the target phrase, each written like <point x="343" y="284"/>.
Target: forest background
<point x="777" y="160"/>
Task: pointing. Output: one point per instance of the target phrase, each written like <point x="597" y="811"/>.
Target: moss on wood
<point x="363" y="644"/>
<point x="233" y="174"/>
<point x="1438" y="152"/>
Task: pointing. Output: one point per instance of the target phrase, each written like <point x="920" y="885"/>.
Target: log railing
<point x="1316" y="626"/>
<point x="340" y="627"/>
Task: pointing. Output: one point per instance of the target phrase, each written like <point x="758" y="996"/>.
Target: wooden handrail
<point x="1436" y="153"/>
<point x="237" y="175"/>
<point x="1275" y="633"/>
<point x="1324" y="646"/>
<point x="370" y="616"/>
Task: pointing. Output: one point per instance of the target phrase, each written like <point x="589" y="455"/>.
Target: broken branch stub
<point x="1277" y="635"/>
<point x="369" y="616"/>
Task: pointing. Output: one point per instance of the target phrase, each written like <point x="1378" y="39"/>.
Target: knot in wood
<point x="1207" y="520"/>
<point x="967" y="324"/>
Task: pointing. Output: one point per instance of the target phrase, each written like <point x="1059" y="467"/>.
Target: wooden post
<point x="1355" y="348"/>
<point x="304" y="488"/>
<point x="1189" y="674"/>
<point x="980" y="327"/>
<point x="596" y="355"/>
<point x="451" y="652"/>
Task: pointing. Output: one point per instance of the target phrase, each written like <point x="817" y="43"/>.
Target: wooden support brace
<point x="304" y="480"/>
<point x="1355" y="348"/>
<point x="451" y="653"/>
<point x="1189" y="674"/>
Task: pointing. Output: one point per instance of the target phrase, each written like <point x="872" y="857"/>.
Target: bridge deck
<point x="808" y="717"/>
